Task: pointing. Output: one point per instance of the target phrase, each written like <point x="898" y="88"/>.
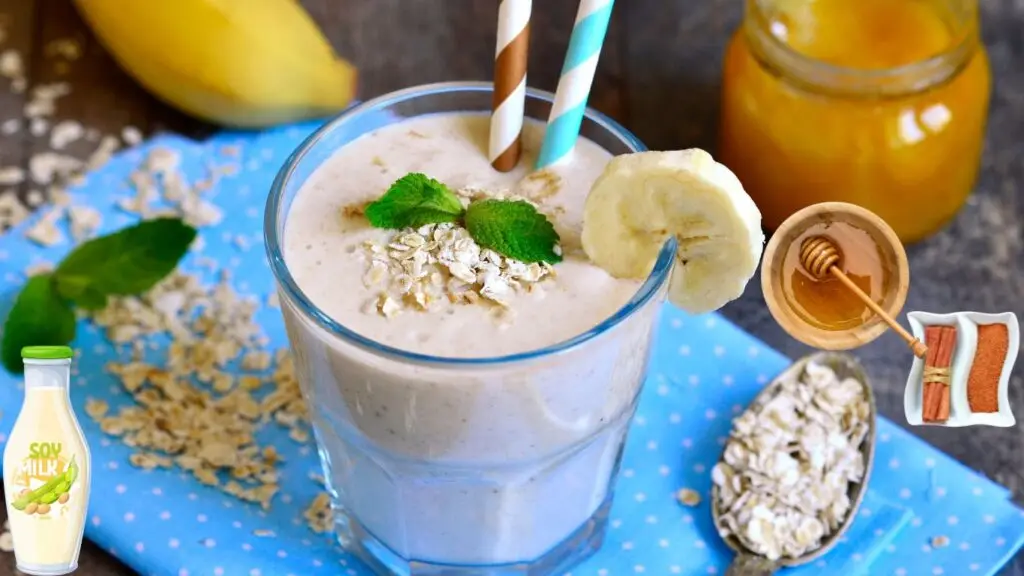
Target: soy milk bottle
<point x="47" y="468"/>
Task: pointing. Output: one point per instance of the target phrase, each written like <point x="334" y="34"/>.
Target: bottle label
<point x="44" y="480"/>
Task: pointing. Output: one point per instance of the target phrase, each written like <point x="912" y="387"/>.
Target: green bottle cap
<point x="47" y="352"/>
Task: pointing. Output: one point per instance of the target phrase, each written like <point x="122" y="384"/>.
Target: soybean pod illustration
<point x="55" y="490"/>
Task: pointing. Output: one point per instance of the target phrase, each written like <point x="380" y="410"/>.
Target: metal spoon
<point x="748" y="563"/>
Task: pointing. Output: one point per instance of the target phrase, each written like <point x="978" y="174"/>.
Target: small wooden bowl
<point x="774" y="266"/>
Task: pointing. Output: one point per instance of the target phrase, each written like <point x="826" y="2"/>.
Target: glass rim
<point x="654" y="281"/>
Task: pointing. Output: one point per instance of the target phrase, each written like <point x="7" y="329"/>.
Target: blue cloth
<point x="704" y="371"/>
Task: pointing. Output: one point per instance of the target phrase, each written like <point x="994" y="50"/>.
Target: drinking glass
<point x="450" y="465"/>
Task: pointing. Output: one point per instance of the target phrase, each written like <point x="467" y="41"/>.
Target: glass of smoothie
<point x="467" y="435"/>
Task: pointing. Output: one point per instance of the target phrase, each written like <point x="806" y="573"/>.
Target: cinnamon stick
<point x="936" y="397"/>
<point x="946" y="358"/>
<point x="931" y="339"/>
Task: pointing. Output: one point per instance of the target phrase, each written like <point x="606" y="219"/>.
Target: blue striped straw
<point x="574" y="84"/>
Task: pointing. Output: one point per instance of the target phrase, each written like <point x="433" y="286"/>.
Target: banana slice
<point x="641" y="200"/>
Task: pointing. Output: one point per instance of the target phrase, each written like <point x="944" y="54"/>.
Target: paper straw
<point x="509" y="83"/>
<point x="574" y="84"/>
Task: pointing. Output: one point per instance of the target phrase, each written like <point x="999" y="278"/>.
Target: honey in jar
<point x="880" y="103"/>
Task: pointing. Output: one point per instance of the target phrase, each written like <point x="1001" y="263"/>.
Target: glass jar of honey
<point x="880" y="103"/>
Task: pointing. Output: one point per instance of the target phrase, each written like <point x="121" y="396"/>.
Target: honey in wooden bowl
<point x="821" y="311"/>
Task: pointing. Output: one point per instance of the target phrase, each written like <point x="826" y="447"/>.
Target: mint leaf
<point x="129" y="261"/>
<point x="413" y="201"/>
<point x="39" y="318"/>
<point x="513" y="229"/>
<point x="81" y="291"/>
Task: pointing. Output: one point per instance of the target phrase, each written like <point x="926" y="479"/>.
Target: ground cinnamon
<point x="987" y="367"/>
<point x="941" y="340"/>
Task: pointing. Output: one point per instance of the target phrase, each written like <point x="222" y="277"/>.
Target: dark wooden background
<point x="659" y="75"/>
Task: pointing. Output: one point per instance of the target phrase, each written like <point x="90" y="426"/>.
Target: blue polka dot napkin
<point x="704" y="371"/>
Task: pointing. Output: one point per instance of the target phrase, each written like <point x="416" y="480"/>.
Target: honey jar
<point x="879" y="103"/>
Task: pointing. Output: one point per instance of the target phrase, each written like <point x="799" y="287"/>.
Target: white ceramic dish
<point x="966" y="324"/>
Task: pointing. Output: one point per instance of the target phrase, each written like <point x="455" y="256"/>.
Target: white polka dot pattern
<point x="703" y="373"/>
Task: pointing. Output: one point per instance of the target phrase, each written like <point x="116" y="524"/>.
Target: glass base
<point x="577" y="547"/>
<point x="47" y="569"/>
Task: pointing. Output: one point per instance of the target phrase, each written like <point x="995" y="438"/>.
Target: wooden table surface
<point x="659" y="75"/>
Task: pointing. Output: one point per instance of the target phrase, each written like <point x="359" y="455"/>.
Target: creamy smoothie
<point x="447" y="463"/>
<point x="47" y="473"/>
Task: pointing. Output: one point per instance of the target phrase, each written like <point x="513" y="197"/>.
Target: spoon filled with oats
<point x="796" y="465"/>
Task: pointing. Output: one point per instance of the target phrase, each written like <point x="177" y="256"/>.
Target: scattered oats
<point x="58" y="196"/>
<point x="103" y="152"/>
<point x="175" y="422"/>
<point x="256" y="361"/>
<point x="6" y="541"/>
<point x="34" y="198"/>
<point x="49" y="167"/>
<point x="540" y="185"/>
<point x="11" y="126"/>
<point x="688" y="497"/>
<point x="231" y="151"/>
<point x="318" y="514"/>
<point x="38" y="126"/>
<point x="131" y="135"/>
<point x="150" y="461"/>
<point x="299" y="435"/>
<point x="45" y="231"/>
<point x="64" y="47"/>
<point x="11" y="66"/>
<point x="43" y="100"/>
<point x="241" y="242"/>
<point x="199" y="213"/>
<point x="64" y="133"/>
<point x="940" y="541"/>
<point x="263" y="533"/>
<point x="38" y="268"/>
<point x="784" y="482"/>
<point x="12" y="211"/>
<point x="84" y="222"/>
<point x="96" y="408"/>
<point x="11" y="175"/>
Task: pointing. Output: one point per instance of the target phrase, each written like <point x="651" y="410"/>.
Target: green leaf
<point x="39" y="318"/>
<point x="413" y="201"/>
<point x="513" y="229"/>
<point x="129" y="261"/>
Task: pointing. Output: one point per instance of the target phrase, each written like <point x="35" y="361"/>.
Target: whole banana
<point x="243" y="63"/>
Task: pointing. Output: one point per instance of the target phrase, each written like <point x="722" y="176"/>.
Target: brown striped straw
<point x="509" y="84"/>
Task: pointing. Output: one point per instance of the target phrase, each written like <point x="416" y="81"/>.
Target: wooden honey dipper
<point x="820" y="257"/>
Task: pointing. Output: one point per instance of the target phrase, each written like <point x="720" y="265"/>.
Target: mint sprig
<point x="129" y="261"/>
<point x="512" y="228"/>
<point x="126" y="262"/>
<point x="39" y="317"/>
<point x="413" y="201"/>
